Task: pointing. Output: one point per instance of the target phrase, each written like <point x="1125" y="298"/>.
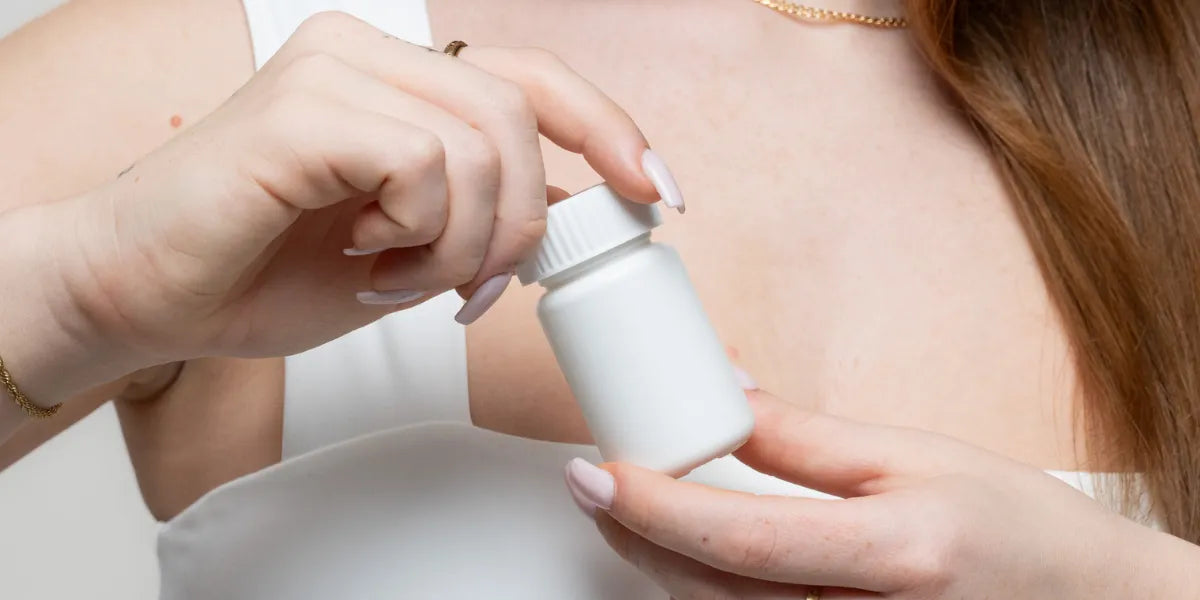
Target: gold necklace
<point x="824" y="15"/>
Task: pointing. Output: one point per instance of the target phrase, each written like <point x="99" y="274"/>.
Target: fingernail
<point x="654" y="168"/>
<point x="587" y="507"/>
<point x="483" y="299"/>
<point x="591" y="487"/>
<point x="358" y="252"/>
<point x="744" y="379"/>
<point x="389" y="297"/>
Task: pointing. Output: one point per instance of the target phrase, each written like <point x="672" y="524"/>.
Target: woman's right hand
<point x="230" y="239"/>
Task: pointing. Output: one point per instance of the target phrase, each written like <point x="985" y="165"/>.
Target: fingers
<point x="496" y="107"/>
<point x="397" y="219"/>
<point x="457" y="233"/>
<point x="843" y="457"/>
<point x="687" y="579"/>
<point x="458" y="156"/>
<point x="310" y="152"/>
<point x="341" y="151"/>
<point x="846" y="543"/>
<point x="570" y="111"/>
<point x="574" y="114"/>
<point x="466" y="157"/>
<point x="490" y="86"/>
<point x="403" y="165"/>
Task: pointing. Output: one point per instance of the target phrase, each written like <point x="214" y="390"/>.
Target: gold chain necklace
<point x="824" y="15"/>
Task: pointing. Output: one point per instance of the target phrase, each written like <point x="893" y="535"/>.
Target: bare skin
<point x="846" y="231"/>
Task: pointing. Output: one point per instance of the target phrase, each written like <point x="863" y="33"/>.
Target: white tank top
<point x="385" y="489"/>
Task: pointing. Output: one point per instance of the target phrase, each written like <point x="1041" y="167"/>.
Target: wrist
<point x="50" y="345"/>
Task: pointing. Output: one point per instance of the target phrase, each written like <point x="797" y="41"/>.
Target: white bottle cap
<point x="584" y="226"/>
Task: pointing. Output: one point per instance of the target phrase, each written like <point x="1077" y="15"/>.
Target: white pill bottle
<point x="629" y="333"/>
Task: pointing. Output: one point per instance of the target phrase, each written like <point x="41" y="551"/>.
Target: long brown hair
<point x="1092" y="110"/>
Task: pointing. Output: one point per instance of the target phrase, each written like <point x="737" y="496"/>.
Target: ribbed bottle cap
<point x="586" y="225"/>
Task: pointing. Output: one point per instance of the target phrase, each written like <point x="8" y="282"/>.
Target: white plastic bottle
<point x="629" y="333"/>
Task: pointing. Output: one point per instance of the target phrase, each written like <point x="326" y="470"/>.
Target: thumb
<point x="839" y="456"/>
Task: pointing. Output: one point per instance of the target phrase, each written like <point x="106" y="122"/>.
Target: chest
<point x="847" y="230"/>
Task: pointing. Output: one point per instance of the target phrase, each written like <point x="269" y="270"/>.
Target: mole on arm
<point x="176" y="121"/>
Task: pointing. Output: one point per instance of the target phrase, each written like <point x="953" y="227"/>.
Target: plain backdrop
<point x="72" y="523"/>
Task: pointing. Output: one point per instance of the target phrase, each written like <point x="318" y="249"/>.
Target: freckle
<point x="176" y="121"/>
<point x="704" y="540"/>
<point x="733" y="352"/>
<point x="137" y="179"/>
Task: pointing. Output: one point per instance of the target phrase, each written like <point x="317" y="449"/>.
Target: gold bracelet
<point x="22" y="400"/>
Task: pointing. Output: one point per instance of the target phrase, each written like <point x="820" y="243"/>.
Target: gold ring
<point x="453" y="48"/>
<point x="813" y="594"/>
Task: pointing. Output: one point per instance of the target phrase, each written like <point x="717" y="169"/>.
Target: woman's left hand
<point x="924" y="516"/>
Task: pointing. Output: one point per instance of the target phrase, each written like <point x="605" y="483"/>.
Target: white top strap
<point x="407" y="368"/>
<point x="272" y="22"/>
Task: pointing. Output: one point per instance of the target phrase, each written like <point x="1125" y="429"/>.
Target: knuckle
<point x="307" y="69"/>
<point x="923" y="564"/>
<point x="511" y="101"/>
<point x="541" y="59"/>
<point x="422" y="229"/>
<point x="320" y="27"/>
<point x="426" y="151"/>
<point x="460" y="272"/>
<point x="285" y="110"/>
<point x="475" y="154"/>
<point x="526" y="233"/>
<point x="457" y="268"/>
<point x="926" y="560"/>
<point x="751" y="547"/>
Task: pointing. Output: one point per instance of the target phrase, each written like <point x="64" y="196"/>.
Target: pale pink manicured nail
<point x="587" y="507"/>
<point x="483" y="299"/>
<point x="744" y="379"/>
<point x="654" y="168"/>
<point x="358" y="252"/>
<point x="591" y="487"/>
<point x="390" y="297"/>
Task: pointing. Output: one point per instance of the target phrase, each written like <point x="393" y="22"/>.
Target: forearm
<point x="128" y="59"/>
<point x="170" y="435"/>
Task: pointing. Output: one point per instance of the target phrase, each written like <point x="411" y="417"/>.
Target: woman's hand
<point x="924" y="517"/>
<point x="425" y="169"/>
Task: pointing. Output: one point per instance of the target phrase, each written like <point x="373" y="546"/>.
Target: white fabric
<point x="438" y="511"/>
<point x="409" y="367"/>
<point x="376" y="500"/>
<point x="435" y="510"/>
<point x="272" y="22"/>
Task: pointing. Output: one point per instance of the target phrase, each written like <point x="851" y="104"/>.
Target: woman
<point x="985" y="299"/>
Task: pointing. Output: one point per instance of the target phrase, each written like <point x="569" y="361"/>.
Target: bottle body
<point x="643" y="360"/>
